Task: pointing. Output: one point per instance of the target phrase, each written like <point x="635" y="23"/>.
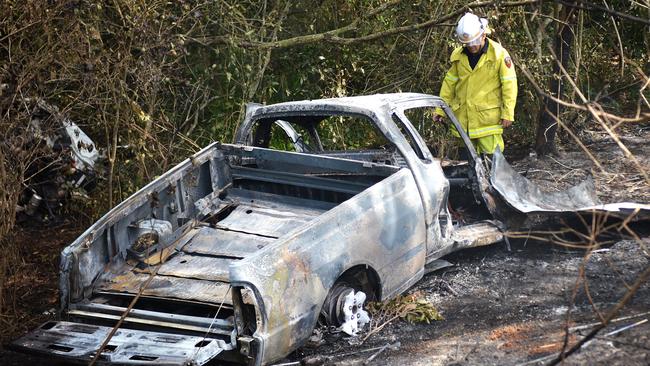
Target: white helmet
<point x="470" y="28"/>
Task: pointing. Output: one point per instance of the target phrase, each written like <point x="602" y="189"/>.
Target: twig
<point x="623" y="342"/>
<point x="628" y="296"/>
<point x="380" y="327"/>
<point x="360" y="351"/>
<point x="620" y="43"/>
<point x="591" y="6"/>
<point x="598" y="118"/>
<point x="537" y="360"/>
<point x="451" y="289"/>
<point x="626" y="327"/>
<point x="332" y="36"/>
<point x="568" y="167"/>
<point x="212" y="322"/>
<point x="382" y="349"/>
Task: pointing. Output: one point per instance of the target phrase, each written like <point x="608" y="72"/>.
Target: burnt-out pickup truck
<point x="237" y="252"/>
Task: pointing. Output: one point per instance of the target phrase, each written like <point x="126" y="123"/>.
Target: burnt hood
<point x="526" y="197"/>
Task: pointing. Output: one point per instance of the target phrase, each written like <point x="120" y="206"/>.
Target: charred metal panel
<point x="168" y="287"/>
<point x="225" y="243"/>
<point x="307" y="206"/>
<point x="287" y="225"/>
<point x="83" y="261"/>
<point x="300" y="180"/>
<point x="305" y="163"/>
<point x="525" y="196"/>
<point x="268" y="222"/>
<point x="195" y="324"/>
<point x="198" y="267"/>
<point x="74" y="342"/>
<point x="375" y="228"/>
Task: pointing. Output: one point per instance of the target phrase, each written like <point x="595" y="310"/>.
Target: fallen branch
<point x="626" y="327"/>
<point x="628" y="296"/>
<point x="382" y="349"/>
<point x="332" y="36"/>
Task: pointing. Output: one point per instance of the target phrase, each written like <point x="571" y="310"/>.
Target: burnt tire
<point x="343" y="308"/>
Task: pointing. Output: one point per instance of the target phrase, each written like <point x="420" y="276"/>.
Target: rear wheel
<point x="343" y="308"/>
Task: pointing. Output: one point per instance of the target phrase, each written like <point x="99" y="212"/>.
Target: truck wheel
<point x="343" y="308"/>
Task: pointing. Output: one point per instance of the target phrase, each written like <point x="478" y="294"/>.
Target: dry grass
<point x="414" y="308"/>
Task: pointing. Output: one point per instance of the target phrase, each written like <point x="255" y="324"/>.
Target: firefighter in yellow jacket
<point x="481" y="86"/>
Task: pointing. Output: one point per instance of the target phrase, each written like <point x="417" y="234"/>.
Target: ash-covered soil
<point x="512" y="308"/>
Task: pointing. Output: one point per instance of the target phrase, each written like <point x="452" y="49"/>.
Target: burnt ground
<point x="510" y="308"/>
<point x="499" y="307"/>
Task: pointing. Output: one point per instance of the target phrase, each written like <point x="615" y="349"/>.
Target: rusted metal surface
<point x="309" y="261"/>
<point x="168" y="287"/>
<point x="268" y="222"/>
<point x="197" y="267"/>
<point x="175" y="321"/>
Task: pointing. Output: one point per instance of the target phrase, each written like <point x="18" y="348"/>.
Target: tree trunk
<point x="550" y="110"/>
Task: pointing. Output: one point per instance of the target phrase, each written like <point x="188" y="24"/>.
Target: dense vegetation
<point x="151" y="81"/>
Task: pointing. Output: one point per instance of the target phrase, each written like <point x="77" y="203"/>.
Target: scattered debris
<point x="66" y="165"/>
<point x="626" y="327"/>
<point x="393" y="346"/>
<point x="316" y="338"/>
<point x="591" y="325"/>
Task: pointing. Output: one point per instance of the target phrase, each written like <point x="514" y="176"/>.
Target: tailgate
<point x="77" y="342"/>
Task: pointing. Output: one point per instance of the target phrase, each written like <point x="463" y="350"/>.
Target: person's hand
<point x="506" y="123"/>
<point x="438" y="118"/>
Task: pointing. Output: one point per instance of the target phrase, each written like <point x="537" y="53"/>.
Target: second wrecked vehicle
<point x="236" y="253"/>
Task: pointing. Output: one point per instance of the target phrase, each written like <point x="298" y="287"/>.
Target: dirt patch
<point x="30" y="294"/>
<point x="554" y="347"/>
<point x="511" y="332"/>
<point x="513" y="336"/>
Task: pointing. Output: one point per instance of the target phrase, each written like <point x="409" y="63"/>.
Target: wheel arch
<point x="363" y="277"/>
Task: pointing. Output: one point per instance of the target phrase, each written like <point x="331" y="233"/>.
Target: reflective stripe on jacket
<point x="481" y="97"/>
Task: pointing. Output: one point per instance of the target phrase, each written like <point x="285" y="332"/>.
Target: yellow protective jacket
<point x="481" y="97"/>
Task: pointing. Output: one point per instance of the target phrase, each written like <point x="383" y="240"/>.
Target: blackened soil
<point x="512" y="308"/>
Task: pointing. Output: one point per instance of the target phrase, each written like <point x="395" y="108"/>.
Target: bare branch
<point x="626" y="298"/>
<point x="590" y="6"/>
<point x="332" y="36"/>
<point x="597" y="117"/>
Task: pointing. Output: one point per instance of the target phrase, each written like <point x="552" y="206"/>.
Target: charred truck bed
<point x="171" y="247"/>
